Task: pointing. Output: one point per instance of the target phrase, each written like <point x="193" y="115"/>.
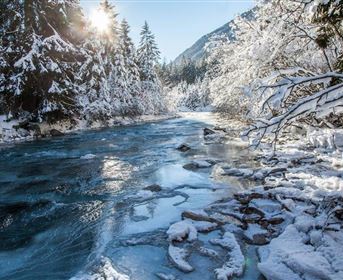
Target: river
<point x="69" y="203"/>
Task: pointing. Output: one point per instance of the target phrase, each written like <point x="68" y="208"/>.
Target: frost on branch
<point x="289" y="108"/>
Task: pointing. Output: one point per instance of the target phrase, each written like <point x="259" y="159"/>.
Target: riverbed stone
<point x="56" y="133"/>
<point x="183" y="148"/>
<point x="208" y="131"/>
<point x="153" y="188"/>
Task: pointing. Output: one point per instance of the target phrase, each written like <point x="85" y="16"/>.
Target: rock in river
<point x="55" y="133"/>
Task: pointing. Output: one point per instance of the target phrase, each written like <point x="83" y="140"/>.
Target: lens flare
<point x="100" y="21"/>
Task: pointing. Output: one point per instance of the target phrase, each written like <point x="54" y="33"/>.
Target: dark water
<point x="61" y="215"/>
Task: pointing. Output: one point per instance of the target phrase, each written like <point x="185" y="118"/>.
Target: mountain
<point x="197" y="50"/>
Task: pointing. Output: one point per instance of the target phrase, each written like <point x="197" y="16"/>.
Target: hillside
<point x="197" y="50"/>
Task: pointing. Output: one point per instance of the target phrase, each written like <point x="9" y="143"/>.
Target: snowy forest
<point x="223" y="163"/>
<point x="56" y="65"/>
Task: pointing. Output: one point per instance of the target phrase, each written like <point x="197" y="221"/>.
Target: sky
<point x="177" y="24"/>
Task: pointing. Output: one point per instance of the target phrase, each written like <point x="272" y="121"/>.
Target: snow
<point x="290" y="258"/>
<point x="178" y="257"/>
<point x="88" y="156"/>
<point x="105" y="271"/>
<point x="188" y="229"/>
<point x="9" y="131"/>
<point x="235" y="260"/>
<point x="182" y="230"/>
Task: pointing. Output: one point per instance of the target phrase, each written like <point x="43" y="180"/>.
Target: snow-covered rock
<point x="234" y="265"/>
<point x="105" y="271"/>
<point x="88" y="156"/>
<point x="178" y="257"/>
<point x="188" y="229"/>
<point x="290" y="258"/>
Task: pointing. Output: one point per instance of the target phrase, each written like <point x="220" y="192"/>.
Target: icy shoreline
<point x="294" y="214"/>
<point x="11" y="133"/>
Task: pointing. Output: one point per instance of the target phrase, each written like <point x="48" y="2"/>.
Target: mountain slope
<point x="197" y="50"/>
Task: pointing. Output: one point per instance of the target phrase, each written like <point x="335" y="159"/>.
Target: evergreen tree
<point x="39" y="57"/>
<point x="148" y="55"/>
<point x="102" y="72"/>
<point x="132" y="69"/>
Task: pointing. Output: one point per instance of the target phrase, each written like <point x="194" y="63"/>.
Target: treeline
<point x="55" y="65"/>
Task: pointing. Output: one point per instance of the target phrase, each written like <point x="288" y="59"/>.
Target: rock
<point x="191" y="166"/>
<point x="35" y="128"/>
<point x="252" y="210"/>
<point x="259" y="239"/>
<point x="251" y="218"/>
<point x="153" y="188"/>
<point x="219" y="128"/>
<point x="197" y="164"/>
<point x="197" y="216"/>
<point x="245" y="198"/>
<point x="275" y="220"/>
<point x="56" y="133"/>
<point x="339" y="213"/>
<point x="208" y="131"/>
<point x="256" y="235"/>
<point x="183" y="148"/>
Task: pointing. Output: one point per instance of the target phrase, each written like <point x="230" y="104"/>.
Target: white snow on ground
<point x="291" y="258"/>
<point x="178" y="257"/>
<point x="105" y="271"/>
<point x="235" y="260"/>
<point x="9" y="132"/>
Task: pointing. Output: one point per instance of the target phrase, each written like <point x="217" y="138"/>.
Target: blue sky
<point x="177" y="24"/>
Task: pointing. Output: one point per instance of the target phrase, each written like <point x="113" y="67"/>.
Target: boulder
<point x="153" y="188"/>
<point x="208" y="131"/>
<point x="56" y="133"/>
<point x="35" y="128"/>
<point x="183" y="148"/>
<point x="197" y="164"/>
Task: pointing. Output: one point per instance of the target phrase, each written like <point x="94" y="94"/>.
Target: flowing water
<point x="63" y="215"/>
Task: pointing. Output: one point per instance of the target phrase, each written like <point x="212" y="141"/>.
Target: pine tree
<point x="148" y="55"/>
<point x="132" y="69"/>
<point x="101" y="73"/>
<point x="39" y="57"/>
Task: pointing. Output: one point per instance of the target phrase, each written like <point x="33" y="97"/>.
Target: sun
<point x="100" y="20"/>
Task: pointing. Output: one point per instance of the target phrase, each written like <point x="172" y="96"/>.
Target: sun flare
<point x="100" y="20"/>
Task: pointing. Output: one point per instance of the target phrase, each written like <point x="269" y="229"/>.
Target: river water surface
<point x="63" y="215"/>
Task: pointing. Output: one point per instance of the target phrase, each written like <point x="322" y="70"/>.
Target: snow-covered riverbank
<point x="294" y="213"/>
<point x="17" y="131"/>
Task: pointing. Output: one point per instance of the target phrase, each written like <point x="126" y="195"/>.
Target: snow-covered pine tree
<point x="101" y="73"/>
<point x="39" y="58"/>
<point x="148" y="55"/>
<point x="128" y="52"/>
